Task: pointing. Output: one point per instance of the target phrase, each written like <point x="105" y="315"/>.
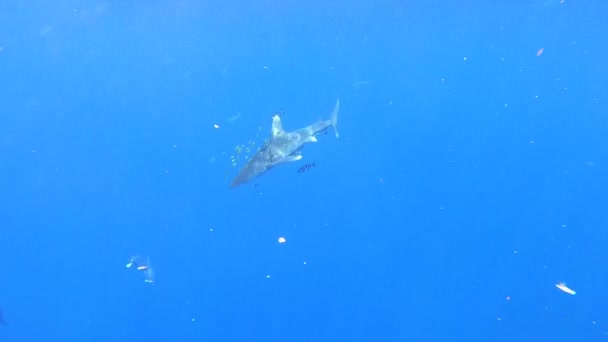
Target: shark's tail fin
<point x="334" y="117"/>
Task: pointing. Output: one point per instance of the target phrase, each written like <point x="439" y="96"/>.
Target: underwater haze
<point x="464" y="199"/>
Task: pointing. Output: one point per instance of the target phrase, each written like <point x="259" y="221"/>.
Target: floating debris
<point x="540" y="52"/>
<point x="282" y="240"/>
<point x="234" y="117"/>
<point x="148" y="275"/>
<point x="142" y="265"/>
<point x="562" y="286"/>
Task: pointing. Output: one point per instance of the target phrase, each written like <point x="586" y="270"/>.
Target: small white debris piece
<point x="216" y="126"/>
<point x="282" y="240"/>
<point x="562" y="286"/>
<point x="142" y="266"/>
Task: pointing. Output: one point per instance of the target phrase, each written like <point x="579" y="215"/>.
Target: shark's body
<point x="283" y="147"/>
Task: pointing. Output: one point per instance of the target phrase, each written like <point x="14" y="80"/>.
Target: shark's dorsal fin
<point x="277" y="127"/>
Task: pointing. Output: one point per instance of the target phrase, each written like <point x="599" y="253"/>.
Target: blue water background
<point x="469" y="178"/>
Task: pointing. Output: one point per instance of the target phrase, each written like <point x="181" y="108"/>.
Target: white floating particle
<point x="216" y="126"/>
<point x="282" y="240"/>
<point x="565" y="288"/>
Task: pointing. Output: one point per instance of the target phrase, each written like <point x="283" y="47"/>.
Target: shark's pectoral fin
<point x="292" y="158"/>
<point x="312" y="138"/>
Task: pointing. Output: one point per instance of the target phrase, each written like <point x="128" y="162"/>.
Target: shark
<point x="283" y="147"/>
